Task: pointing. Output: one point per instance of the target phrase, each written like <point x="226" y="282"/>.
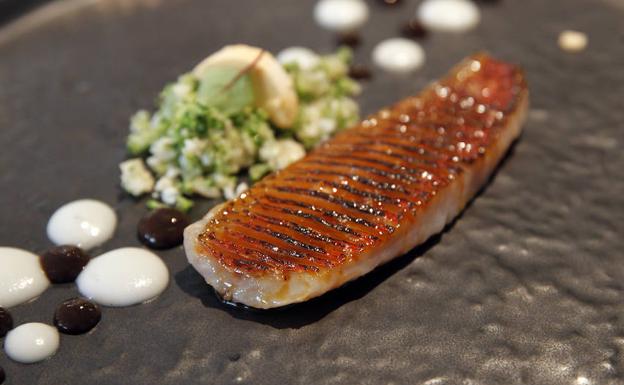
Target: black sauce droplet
<point x="2" y="376"/>
<point x="77" y="316"/>
<point x="413" y="29"/>
<point x="350" y="39"/>
<point x="162" y="228"/>
<point x="360" y="72"/>
<point x="6" y="322"/>
<point x="234" y="357"/>
<point x="62" y="264"/>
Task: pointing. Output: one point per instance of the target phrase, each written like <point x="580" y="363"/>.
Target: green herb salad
<point x="236" y="117"/>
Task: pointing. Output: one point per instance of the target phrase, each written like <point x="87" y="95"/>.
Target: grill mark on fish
<point x="357" y="178"/>
<point x="372" y="170"/>
<point x="281" y="236"/>
<point x="330" y="213"/>
<point x="248" y="250"/>
<point x="427" y="149"/>
<point x="280" y="251"/>
<point x="218" y="248"/>
<point x="304" y="231"/>
<point x="350" y="189"/>
<point x="421" y="191"/>
<point x="368" y="148"/>
<point x="338" y="227"/>
<point x="265" y="257"/>
<point x="268" y="246"/>
<point x="361" y="207"/>
<point x="253" y="242"/>
<point x="418" y="149"/>
<point x="390" y="165"/>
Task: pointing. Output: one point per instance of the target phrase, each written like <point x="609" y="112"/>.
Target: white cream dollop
<point x="305" y="58"/>
<point x="85" y="223"/>
<point x="31" y="342"/>
<point x="21" y="277"/>
<point x="448" y="15"/>
<point x="398" y="55"/>
<point x="341" y="16"/>
<point x="123" y="277"/>
<point x="572" y="41"/>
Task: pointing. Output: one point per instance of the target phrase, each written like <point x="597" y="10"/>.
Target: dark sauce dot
<point x="6" y="322"/>
<point x="77" y="316"/>
<point x="360" y="72"/>
<point x="62" y="264"/>
<point x="2" y="376"/>
<point x="234" y="357"/>
<point x="162" y="228"/>
<point x="350" y="39"/>
<point x="413" y="29"/>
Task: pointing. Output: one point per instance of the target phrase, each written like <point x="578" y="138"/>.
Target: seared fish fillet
<point x="366" y="196"/>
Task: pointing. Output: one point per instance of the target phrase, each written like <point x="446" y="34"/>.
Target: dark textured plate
<point x="526" y="287"/>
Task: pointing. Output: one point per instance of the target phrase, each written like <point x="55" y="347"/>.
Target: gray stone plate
<point x="526" y="287"/>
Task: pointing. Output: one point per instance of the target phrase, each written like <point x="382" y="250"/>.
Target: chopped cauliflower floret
<point x="280" y="153"/>
<point x="135" y="178"/>
<point x="140" y="121"/>
<point x="204" y="187"/>
<point x="163" y="149"/>
<point x="182" y="90"/>
<point x="230" y="193"/>
<point x="172" y="172"/>
<point x="170" y="195"/>
<point x="194" y="147"/>
<point x="168" y="190"/>
<point x="303" y="57"/>
<point x="157" y="165"/>
<point x="163" y="183"/>
<point x="241" y="188"/>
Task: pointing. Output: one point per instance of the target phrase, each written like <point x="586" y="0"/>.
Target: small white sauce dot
<point x="123" y="277"/>
<point x="31" y="342"/>
<point x="448" y="15"/>
<point x="341" y="15"/>
<point x="572" y="41"/>
<point x="85" y="223"/>
<point x="398" y="55"/>
<point x="303" y="57"/>
<point x="21" y="277"/>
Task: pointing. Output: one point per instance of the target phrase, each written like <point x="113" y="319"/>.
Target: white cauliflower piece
<point x="280" y="153"/>
<point x="135" y="177"/>
<point x="163" y="149"/>
<point x="168" y="190"/>
<point x="194" y="147"/>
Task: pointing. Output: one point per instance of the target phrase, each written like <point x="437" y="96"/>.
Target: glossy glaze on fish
<point x="366" y="196"/>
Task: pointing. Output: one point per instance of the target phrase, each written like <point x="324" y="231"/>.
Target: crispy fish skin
<point x="366" y="196"/>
